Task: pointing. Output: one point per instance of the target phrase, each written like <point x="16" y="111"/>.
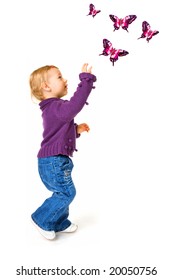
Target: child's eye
<point x="59" y="77"/>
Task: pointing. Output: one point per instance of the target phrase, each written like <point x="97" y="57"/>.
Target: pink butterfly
<point x="123" y="22"/>
<point x="114" y="53"/>
<point x="147" y="32"/>
<point x="92" y="11"/>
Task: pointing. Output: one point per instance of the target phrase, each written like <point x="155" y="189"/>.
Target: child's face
<point x="56" y="83"/>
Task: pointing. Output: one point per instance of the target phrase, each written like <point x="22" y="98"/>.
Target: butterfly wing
<point x="116" y="21"/>
<point x="122" y="52"/>
<point x="150" y="34"/>
<point x="155" y="32"/>
<point x="131" y="18"/>
<point x="96" y="12"/>
<point x="145" y="28"/>
<point x="116" y="53"/>
<point x="91" y="9"/>
<point x="107" y="45"/>
<point x="128" y="20"/>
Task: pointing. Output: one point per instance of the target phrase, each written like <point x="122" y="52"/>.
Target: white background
<point x="123" y="168"/>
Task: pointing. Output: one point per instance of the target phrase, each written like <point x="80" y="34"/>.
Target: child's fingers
<point x="87" y="128"/>
<point x="90" y="69"/>
<point x="86" y="69"/>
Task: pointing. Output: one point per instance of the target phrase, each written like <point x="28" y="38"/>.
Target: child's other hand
<point x="82" y="127"/>
<point x="86" y="69"/>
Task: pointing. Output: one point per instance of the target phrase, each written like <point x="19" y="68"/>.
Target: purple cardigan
<point x="59" y="134"/>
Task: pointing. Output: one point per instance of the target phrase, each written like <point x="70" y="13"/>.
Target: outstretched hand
<point x="82" y="127"/>
<point x="86" y="69"/>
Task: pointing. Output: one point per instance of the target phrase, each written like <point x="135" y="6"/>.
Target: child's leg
<point x="55" y="173"/>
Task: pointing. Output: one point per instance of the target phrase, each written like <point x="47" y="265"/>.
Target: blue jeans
<point x="55" y="173"/>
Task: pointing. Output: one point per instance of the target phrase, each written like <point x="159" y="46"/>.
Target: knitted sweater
<point x="59" y="129"/>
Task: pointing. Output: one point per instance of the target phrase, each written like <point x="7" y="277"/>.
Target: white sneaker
<point x="71" y="228"/>
<point x="45" y="233"/>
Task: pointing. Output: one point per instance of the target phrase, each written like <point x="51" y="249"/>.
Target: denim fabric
<point x="55" y="173"/>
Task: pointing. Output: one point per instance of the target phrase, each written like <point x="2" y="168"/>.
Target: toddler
<point x="58" y="145"/>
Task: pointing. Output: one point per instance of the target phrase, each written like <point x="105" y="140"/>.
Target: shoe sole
<point x="69" y="231"/>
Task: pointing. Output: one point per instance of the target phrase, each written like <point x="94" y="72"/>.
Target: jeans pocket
<point x="63" y="168"/>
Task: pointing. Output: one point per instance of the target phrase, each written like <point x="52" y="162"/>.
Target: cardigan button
<point x="70" y="140"/>
<point x="66" y="147"/>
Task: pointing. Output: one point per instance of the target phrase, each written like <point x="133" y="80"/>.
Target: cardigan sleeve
<point x="70" y="108"/>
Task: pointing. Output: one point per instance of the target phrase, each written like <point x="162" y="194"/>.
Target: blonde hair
<point x="36" y="79"/>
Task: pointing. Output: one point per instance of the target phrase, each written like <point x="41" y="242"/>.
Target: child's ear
<point x="44" y="86"/>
